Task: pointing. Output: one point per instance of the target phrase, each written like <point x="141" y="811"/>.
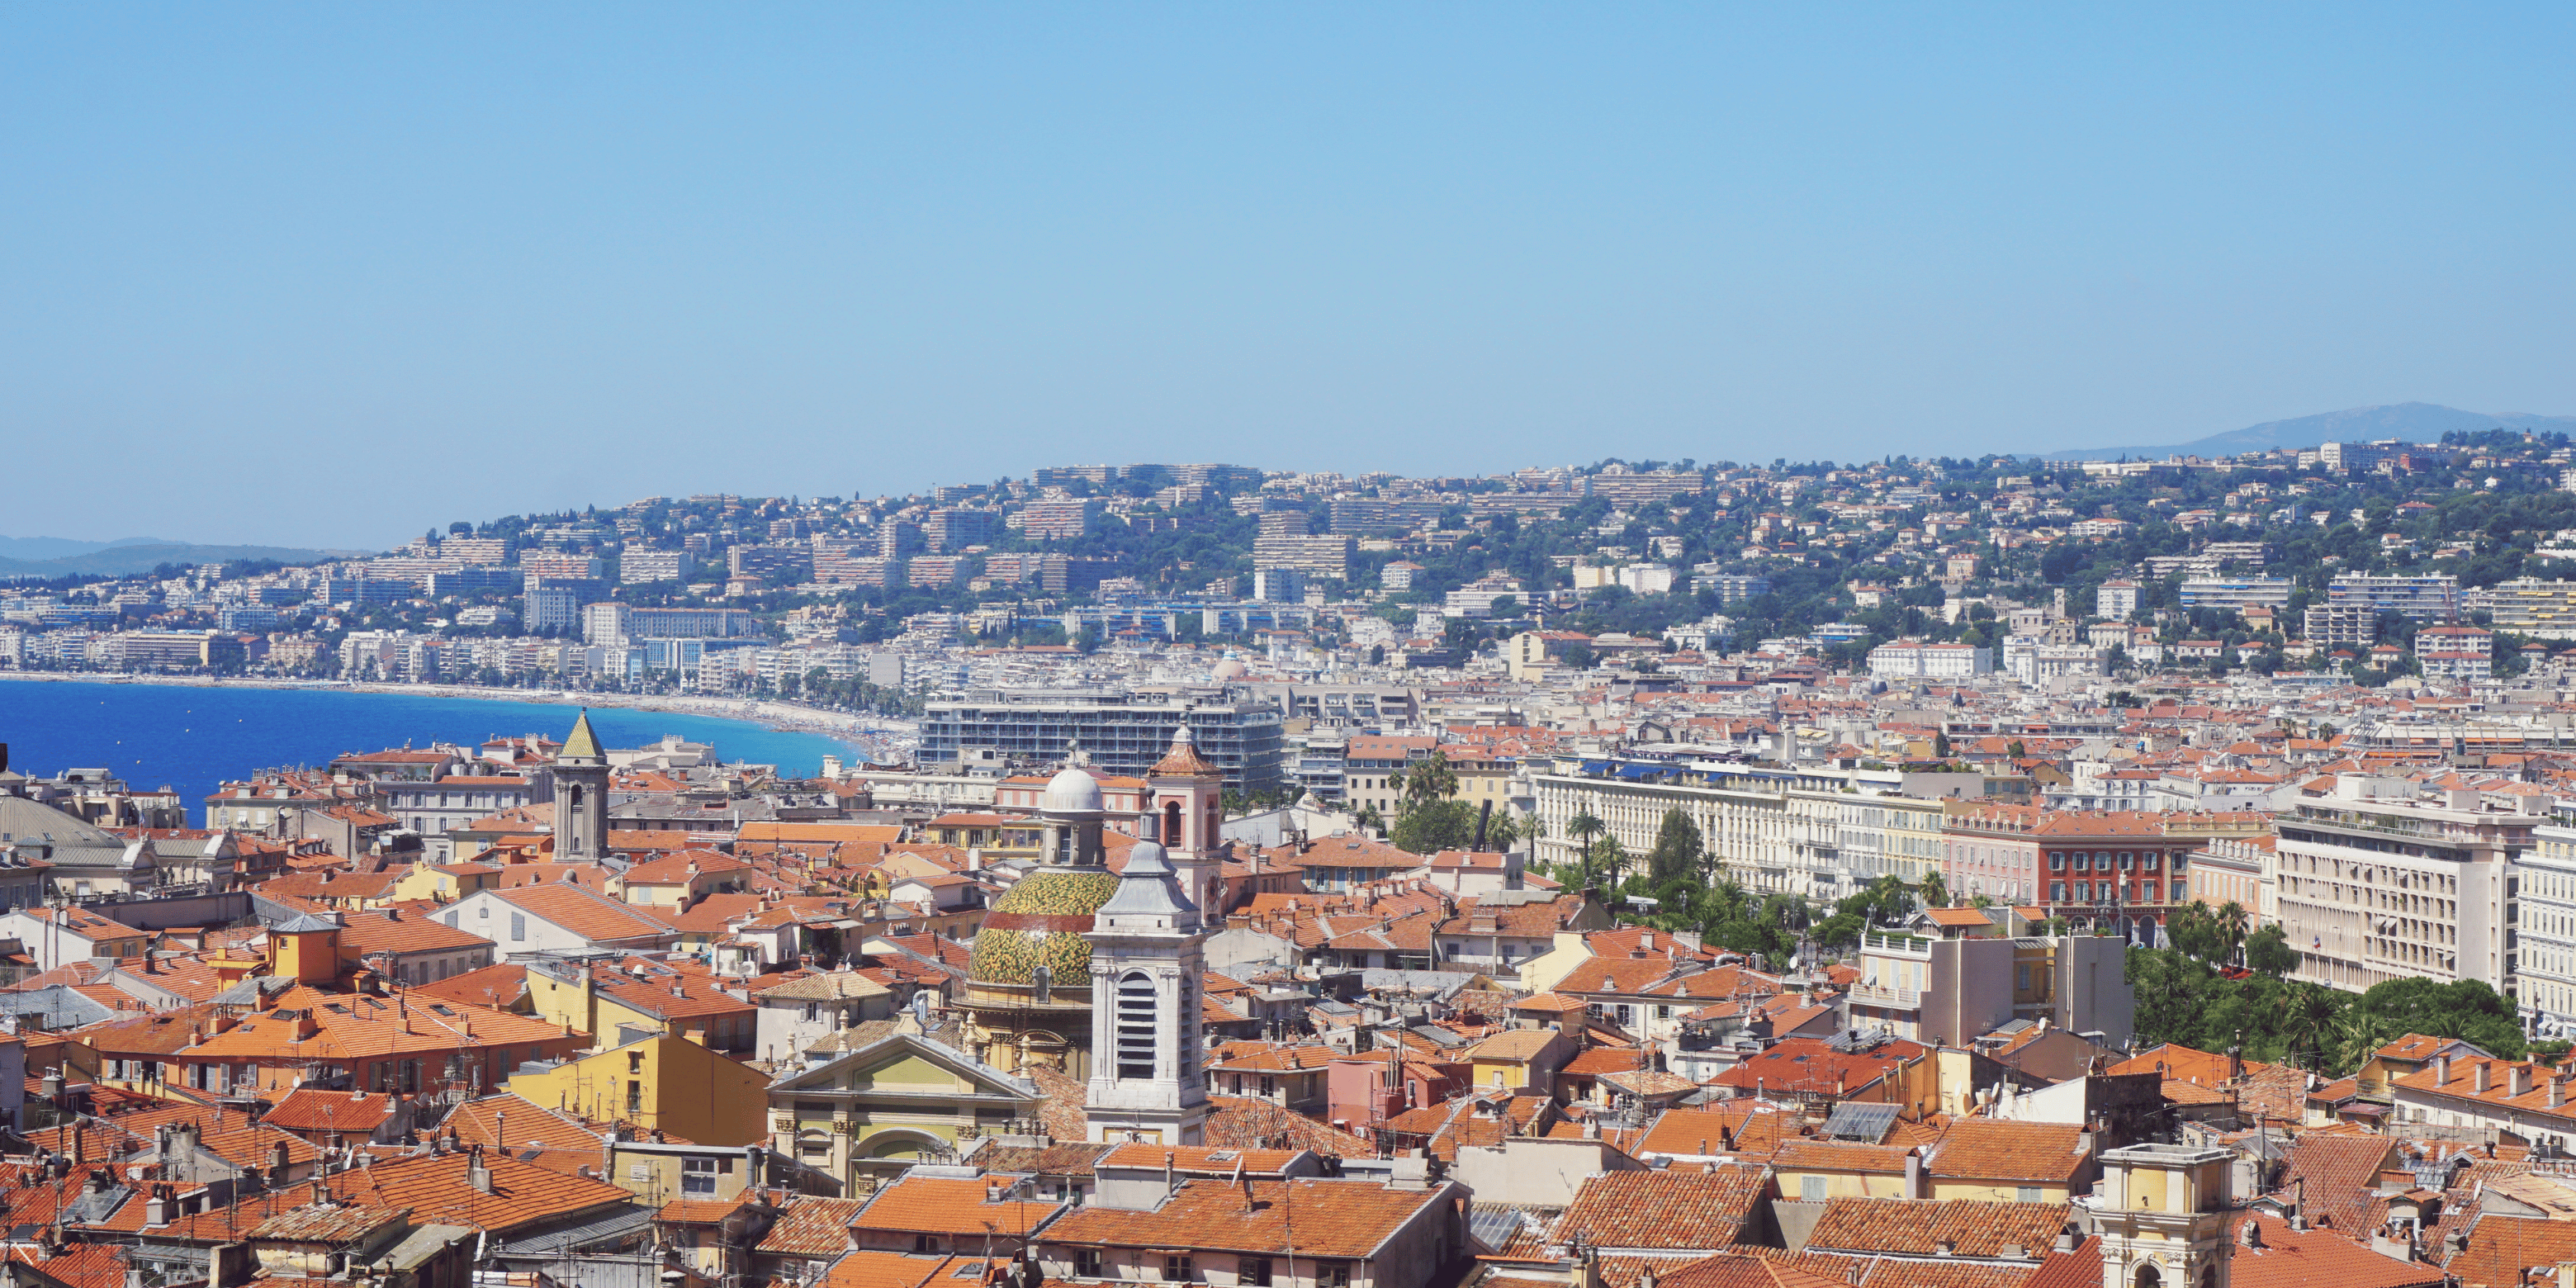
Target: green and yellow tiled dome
<point x="1040" y="922"/>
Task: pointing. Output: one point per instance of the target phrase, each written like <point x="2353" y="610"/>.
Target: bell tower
<point x="1187" y="796"/>
<point x="2161" y="1212"/>
<point x="581" y="796"/>
<point x="1148" y="1052"/>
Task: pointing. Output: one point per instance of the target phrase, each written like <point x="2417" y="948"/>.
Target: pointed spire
<point x="581" y="743"/>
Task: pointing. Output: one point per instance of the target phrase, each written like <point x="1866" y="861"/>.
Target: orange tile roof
<point x="1918" y="1227"/>
<point x="1317" y="1218"/>
<point x="811" y="1227"/>
<point x="434" y="1187"/>
<point x="1993" y="1149"/>
<point x="941" y="1205"/>
<point x="1664" y="1209"/>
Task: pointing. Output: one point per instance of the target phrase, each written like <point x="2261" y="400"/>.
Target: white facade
<point x="2545" y="885"/>
<point x="2373" y="885"/>
<point x="1914" y="659"/>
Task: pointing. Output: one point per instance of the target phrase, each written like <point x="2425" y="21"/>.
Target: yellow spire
<point x="582" y="743"/>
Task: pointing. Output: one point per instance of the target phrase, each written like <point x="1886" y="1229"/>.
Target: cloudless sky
<point x="332" y="274"/>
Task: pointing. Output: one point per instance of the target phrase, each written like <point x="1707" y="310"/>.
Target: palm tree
<point x="2231" y="929"/>
<point x="1584" y="825"/>
<point x="1934" y="890"/>
<point x="1430" y="779"/>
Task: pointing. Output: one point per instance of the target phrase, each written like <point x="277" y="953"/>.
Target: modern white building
<point x="1916" y="659"/>
<point x="2545" y="887"/>
<point x="2117" y="599"/>
<point x="2373" y="884"/>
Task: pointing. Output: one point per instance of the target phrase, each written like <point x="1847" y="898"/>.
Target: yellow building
<point x="897" y="1101"/>
<point x="617" y="1002"/>
<point x="1520" y="1058"/>
<point x="445" y="883"/>
<point x="1810" y="1170"/>
<point x="660" y="1083"/>
<point x="1999" y="1160"/>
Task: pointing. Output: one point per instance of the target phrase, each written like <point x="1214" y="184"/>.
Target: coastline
<point x="867" y="732"/>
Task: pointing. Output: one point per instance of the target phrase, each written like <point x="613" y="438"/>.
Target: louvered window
<point x="1136" y="1026"/>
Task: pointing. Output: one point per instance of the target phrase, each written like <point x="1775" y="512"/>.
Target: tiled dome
<point x="1041" y="921"/>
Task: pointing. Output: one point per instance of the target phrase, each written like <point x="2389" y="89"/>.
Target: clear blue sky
<point x="331" y="274"/>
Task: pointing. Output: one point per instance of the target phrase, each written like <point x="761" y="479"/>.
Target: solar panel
<point x="1865" y="1123"/>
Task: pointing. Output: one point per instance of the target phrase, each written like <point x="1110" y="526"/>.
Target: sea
<point x="196" y="738"/>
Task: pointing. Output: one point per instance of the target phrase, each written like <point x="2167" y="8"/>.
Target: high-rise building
<point x="2343" y="857"/>
<point x="1120" y="732"/>
<point x="951" y="529"/>
<point x="2541" y="609"/>
<point x="636" y="566"/>
<point x="2419" y="599"/>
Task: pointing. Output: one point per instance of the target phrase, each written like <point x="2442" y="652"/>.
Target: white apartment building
<point x="1915" y="659"/>
<point x="1775" y="830"/>
<point x="2545" y="960"/>
<point x="2374" y="885"/>
<point x="2542" y="609"/>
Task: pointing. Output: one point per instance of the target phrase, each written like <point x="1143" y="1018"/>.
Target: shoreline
<point x="860" y="732"/>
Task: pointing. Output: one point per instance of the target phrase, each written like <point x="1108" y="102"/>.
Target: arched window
<point x="2147" y="1277"/>
<point x="1136" y="1025"/>
<point x="1171" y="823"/>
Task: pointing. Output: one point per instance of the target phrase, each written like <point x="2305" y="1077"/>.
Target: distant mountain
<point x="2414" y="422"/>
<point x="59" y="547"/>
<point x="120" y="558"/>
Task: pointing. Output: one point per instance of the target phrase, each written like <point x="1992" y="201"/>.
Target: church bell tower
<point x="1148" y="1052"/>
<point x="581" y="796"/>
<point x="1186" y="793"/>
<point x="2161" y="1212"/>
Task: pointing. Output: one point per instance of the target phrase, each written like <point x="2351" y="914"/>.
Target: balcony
<point x="1905" y="999"/>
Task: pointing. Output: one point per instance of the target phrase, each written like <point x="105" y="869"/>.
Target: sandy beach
<point x="875" y="732"/>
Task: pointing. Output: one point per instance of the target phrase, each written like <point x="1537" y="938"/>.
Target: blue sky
<point x="333" y="274"/>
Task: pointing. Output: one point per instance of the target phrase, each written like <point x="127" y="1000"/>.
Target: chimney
<point x="2479" y="1077"/>
<point x="1914" y="1173"/>
<point x="2441" y="1069"/>
<point x="1171" y="1182"/>
<point x="2557" y="1091"/>
<point x="476" y="1174"/>
<point x="2518" y="1079"/>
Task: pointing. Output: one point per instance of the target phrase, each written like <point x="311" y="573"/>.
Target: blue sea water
<point x="194" y="739"/>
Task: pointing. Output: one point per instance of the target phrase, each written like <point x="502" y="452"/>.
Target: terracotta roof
<point x="304" y="1109"/>
<point x="941" y="1205"/>
<point x="1918" y="1227"/>
<point x="434" y="1187"/>
<point x="584" y="912"/>
<point x="2338" y="1172"/>
<point x="811" y="1227"/>
<point x="1742" y="1126"/>
<point x="1331" y="1218"/>
<point x="1663" y="1209"/>
<point x="1992" y="1149"/>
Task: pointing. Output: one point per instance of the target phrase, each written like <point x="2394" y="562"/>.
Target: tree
<point x="1369" y="818"/>
<point x="1435" y="826"/>
<point x="1429" y="779"/>
<point x="2268" y="951"/>
<point x="1607" y="855"/>
<point x="1934" y="891"/>
<point x="1679" y="849"/>
<point x="1584" y="827"/>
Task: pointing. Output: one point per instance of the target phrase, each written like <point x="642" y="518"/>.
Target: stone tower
<point x="2161" y="1212"/>
<point x="1187" y="796"/>
<point x="1148" y="1056"/>
<point x="581" y="796"/>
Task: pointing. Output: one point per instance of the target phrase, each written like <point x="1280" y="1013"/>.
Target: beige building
<point x="2373" y="884"/>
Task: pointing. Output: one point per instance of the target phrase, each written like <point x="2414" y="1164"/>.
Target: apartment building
<point x="1952" y="991"/>
<point x="2374" y="884"/>
<point x="1118" y="732"/>
<point x="2544" y="884"/>
<point x="1916" y="659"/>
<point x="637" y="566"/>
<point x="2541" y="609"/>
<point x="2419" y="599"/>
<point x="2238" y="593"/>
<point x="1773" y="829"/>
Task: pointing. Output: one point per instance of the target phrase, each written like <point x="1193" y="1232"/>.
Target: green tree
<point x="1427" y="780"/>
<point x="1934" y="891"/>
<point x="1435" y="826"/>
<point x="2268" y="951"/>
<point x="1679" y="850"/>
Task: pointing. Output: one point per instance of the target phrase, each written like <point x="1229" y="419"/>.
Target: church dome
<point x="1232" y="669"/>
<point x="1071" y="791"/>
<point x="1040" y="922"/>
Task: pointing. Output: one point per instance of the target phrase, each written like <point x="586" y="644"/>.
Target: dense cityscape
<point x="1965" y="873"/>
